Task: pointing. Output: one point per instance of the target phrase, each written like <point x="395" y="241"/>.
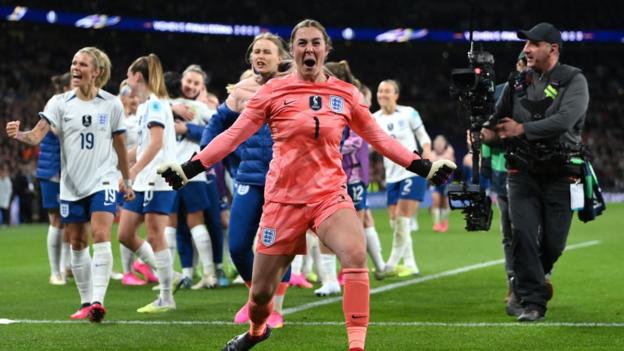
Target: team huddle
<point x="293" y="134"/>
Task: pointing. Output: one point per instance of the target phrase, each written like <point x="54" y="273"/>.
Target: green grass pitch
<point x="443" y="309"/>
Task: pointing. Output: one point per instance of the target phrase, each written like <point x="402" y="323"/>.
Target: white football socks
<point x="172" y="244"/>
<point x="55" y="237"/>
<point x="435" y="212"/>
<point x="65" y="256"/>
<point x="204" y="247"/>
<point x="278" y="303"/>
<point x="101" y="268"/>
<point x="146" y="254"/>
<point x="164" y="272"/>
<point x="444" y="213"/>
<point x="328" y="269"/>
<point x="126" y="258"/>
<point x="296" y="265"/>
<point x="400" y="233"/>
<point x="81" y="268"/>
<point x="187" y="272"/>
<point x="314" y="253"/>
<point x="373" y="246"/>
<point x="408" y="254"/>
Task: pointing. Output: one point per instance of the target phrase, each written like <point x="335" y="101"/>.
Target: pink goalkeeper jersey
<point x="306" y="121"/>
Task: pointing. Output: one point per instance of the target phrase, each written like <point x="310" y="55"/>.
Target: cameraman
<point x="540" y="118"/>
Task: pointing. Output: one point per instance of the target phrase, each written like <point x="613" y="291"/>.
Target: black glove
<point x="178" y="175"/>
<point x="437" y="172"/>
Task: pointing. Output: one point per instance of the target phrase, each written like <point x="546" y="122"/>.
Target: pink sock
<point x="355" y="305"/>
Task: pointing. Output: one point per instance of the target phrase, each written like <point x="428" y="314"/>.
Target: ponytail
<point x="151" y="69"/>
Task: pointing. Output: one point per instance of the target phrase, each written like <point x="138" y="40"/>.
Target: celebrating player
<point x="306" y="185"/>
<point x="265" y="54"/>
<point x="90" y="125"/>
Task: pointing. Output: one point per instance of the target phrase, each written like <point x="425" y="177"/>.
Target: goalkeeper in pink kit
<point x="306" y="185"/>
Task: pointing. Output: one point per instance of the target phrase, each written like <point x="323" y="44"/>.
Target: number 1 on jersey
<point x="317" y="127"/>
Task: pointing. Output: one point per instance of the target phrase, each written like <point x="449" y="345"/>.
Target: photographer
<point x="540" y="118"/>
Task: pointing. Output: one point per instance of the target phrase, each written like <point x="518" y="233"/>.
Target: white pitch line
<point x="336" y="323"/>
<point x="419" y="280"/>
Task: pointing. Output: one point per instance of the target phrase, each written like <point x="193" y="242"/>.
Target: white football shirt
<point x="132" y="131"/>
<point x="403" y="125"/>
<point x="186" y="147"/>
<point x="85" y="130"/>
<point x="155" y="111"/>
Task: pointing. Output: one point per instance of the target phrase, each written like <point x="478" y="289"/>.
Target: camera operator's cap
<point x="542" y="32"/>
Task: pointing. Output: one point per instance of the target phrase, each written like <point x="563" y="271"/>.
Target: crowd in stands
<point x="33" y="53"/>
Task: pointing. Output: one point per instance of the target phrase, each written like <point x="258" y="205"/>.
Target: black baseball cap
<point x="542" y="32"/>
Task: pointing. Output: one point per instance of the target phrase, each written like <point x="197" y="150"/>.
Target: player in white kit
<point x="91" y="127"/>
<point x="130" y="103"/>
<point x="154" y="198"/>
<point x="193" y="199"/>
<point x="405" y="190"/>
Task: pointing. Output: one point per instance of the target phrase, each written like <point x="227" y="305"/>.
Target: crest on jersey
<point x="103" y="119"/>
<point x="390" y="126"/>
<point x="315" y="102"/>
<point x="242" y="189"/>
<point x="268" y="236"/>
<point x="64" y="210"/>
<point x="336" y="103"/>
<point x="86" y="120"/>
<point x="401" y="124"/>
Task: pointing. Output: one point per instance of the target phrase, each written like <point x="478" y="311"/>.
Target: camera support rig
<point x="474" y="89"/>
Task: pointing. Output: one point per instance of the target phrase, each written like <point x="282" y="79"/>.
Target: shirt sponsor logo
<point x="336" y="103"/>
<point x="316" y="103"/>
<point x="288" y="102"/>
<point x="268" y="236"/>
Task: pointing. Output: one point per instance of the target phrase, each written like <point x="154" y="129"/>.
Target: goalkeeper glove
<point x="178" y="175"/>
<point x="437" y="172"/>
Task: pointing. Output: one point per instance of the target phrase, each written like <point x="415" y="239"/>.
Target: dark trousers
<point x="499" y="185"/>
<point x="6" y="216"/>
<point x="537" y="203"/>
<point x="505" y="227"/>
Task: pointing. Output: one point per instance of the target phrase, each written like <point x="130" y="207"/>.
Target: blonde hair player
<point x="91" y="130"/>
